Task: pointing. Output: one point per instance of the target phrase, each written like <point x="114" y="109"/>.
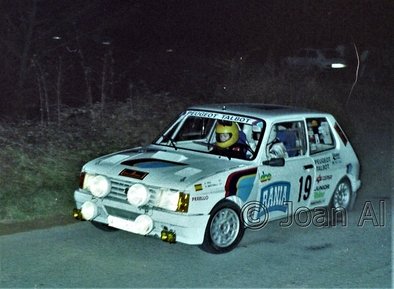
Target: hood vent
<point x="151" y="163"/>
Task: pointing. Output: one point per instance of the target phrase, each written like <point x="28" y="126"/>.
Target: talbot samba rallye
<point x="219" y="169"/>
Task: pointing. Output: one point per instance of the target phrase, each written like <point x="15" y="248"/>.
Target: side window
<point x="320" y="135"/>
<point x="287" y="140"/>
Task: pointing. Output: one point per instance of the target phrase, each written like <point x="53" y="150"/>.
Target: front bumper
<point x="189" y="229"/>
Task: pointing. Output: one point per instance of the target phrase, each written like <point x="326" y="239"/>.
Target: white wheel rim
<point x="342" y="196"/>
<point x="224" y="227"/>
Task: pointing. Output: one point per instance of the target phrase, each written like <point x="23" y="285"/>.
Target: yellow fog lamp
<point x="168" y="235"/>
<point x="77" y="214"/>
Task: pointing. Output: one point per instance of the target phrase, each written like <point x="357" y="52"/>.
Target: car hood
<point x="173" y="169"/>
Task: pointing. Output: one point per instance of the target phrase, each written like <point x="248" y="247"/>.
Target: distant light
<point x="56" y="38"/>
<point x="170" y="50"/>
<point x="106" y="43"/>
<point x="338" y="65"/>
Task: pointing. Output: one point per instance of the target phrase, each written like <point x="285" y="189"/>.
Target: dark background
<point x="53" y="52"/>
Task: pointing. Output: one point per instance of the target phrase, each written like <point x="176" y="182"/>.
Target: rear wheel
<point x="340" y="202"/>
<point x="342" y="196"/>
<point x="224" y="229"/>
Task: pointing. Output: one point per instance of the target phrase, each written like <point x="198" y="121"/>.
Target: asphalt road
<point x="356" y="255"/>
<point x="79" y="255"/>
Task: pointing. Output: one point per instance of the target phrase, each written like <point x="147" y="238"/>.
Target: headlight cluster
<point x="173" y="200"/>
<point x="139" y="195"/>
<point x="98" y="185"/>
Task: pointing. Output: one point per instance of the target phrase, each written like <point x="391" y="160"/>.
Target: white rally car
<point x="218" y="169"/>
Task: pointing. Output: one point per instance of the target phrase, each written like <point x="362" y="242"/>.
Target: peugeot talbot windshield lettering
<point x="218" y="170"/>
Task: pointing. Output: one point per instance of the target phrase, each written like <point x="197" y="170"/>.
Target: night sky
<point x="232" y="25"/>
<point x="151" y="39"/>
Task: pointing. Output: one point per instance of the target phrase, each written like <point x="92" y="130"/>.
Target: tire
<point x="342" y="196"/>
<point x="340" y="203"/>
<point x="224" y="230"/>
<point x="103" y="227"/>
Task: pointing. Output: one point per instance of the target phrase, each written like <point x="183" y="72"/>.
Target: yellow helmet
<point x="229" y="128"/>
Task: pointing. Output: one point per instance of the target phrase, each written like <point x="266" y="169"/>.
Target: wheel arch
<point x="208" y="243"/>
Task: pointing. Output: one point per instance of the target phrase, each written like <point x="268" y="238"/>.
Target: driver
<point x="228" y="140"/>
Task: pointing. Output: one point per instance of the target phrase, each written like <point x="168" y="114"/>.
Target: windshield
<point x="234" y="136"/>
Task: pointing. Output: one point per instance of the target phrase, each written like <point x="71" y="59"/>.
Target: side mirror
<point x="276" y="162"/>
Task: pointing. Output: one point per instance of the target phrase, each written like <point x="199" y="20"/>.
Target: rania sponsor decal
<point x="274" y="197"/>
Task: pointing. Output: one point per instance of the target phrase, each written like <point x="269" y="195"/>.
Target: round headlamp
<point x="99" y="186"/>
<point x="138" y="195"/>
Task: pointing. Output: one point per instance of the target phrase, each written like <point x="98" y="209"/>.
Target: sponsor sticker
<point x="198" y="187"/>
<point x="200" y="198"/>
<point x="318" y="194"/>
<point x="321" y="178"/>
<point x="336" y="158"/>
<point x="323" y="164"/>
<point x="221" y="116"/>
<point x="133" y="174"/>
<point x="265" y="177"/>
<point x="274" y="197"/>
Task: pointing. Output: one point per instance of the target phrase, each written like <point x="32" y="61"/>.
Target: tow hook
<point x="77" y="214"/>
<point x="168" y="236"/>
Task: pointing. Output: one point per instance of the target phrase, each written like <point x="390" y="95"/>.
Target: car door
<point x="283" y="188"/>
<point x="326" y="157"/>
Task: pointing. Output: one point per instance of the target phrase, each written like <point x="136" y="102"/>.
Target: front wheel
<point x="224" y="229"/>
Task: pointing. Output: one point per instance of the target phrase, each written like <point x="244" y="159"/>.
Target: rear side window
<point x="341" y="134"/>
<point x="320" y="135"/>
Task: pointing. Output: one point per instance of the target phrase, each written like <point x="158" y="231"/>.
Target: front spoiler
<point x="189" y="229"/>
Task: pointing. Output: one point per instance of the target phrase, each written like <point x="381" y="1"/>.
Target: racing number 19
<point x="305" y="188"/>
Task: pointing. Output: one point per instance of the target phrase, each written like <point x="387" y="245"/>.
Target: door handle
<point x="307" y="167"/>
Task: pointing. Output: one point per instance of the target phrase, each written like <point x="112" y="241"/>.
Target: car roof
<point x="257" y="109"/>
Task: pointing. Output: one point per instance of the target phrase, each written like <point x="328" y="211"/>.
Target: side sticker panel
<point x="241" y="183"/>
